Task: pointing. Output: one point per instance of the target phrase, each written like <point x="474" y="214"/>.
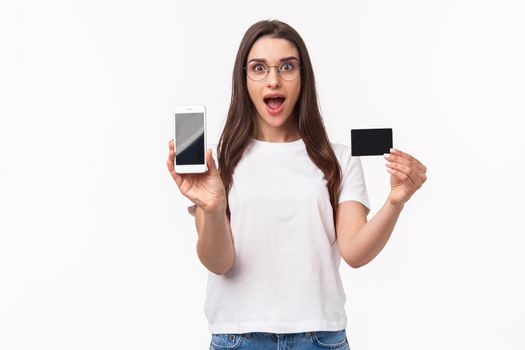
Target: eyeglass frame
<point x="278" y="71"/>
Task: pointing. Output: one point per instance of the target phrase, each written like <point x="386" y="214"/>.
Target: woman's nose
<point x="273" y="76"/>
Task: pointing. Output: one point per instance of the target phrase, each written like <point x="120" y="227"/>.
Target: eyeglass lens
<point x="288" y="70"/>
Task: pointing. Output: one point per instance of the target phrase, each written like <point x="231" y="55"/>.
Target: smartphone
<point x="371" y="142"/>
<point x="190" y="139"/>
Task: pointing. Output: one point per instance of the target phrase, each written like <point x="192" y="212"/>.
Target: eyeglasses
<point x="288" y="70"/>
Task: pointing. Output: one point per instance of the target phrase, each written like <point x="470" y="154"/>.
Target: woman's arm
<point x="215" y="245"/>
<point x="360" y="241"/>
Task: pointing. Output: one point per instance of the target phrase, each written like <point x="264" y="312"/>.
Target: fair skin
<point x="281" y="127"/>
<point x="359" y="240"/>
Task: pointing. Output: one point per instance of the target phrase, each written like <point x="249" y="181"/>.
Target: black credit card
<point x="371" y="142"/>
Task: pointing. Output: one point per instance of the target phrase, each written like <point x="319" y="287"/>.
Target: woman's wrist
<point x="395" y="206"/>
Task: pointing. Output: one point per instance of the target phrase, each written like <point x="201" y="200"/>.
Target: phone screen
<point x="189" y="138"/>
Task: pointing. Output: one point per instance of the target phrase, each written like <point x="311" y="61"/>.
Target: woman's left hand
<point x="407" y="176"/>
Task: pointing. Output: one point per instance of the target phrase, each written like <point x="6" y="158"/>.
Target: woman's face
<point x="274" y="113"/>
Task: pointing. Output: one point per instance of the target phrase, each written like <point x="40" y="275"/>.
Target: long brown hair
<point x="239" y="126"/>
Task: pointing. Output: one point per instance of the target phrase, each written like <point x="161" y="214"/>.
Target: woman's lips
<point x="274" y="104"/>
<point x="275" y="111"/>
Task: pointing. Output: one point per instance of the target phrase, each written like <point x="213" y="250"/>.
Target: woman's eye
<point x="287" y="66"/>
<point x="258" y="68"/>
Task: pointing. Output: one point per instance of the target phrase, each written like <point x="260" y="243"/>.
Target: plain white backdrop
<point x="97" y="250"/>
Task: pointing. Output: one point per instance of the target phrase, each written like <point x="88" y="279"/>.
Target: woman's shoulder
<point x="342" y="151"/>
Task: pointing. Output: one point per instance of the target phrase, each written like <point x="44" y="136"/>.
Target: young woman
<point x="285" y="206"/>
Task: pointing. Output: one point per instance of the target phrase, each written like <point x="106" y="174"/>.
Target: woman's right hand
<point x="206" y="190"/>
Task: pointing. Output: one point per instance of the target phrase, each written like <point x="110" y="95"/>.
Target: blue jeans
<point x="335" y="340"/>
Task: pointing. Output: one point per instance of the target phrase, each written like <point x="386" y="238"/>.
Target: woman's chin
<point x="276" y="121"/>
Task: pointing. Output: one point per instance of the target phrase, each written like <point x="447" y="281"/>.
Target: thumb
<point x="211" y="162"/>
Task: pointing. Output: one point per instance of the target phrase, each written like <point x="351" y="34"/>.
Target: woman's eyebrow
<point x="281" y="60"/>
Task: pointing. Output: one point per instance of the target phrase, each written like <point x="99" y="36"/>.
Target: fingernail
<point x="393" y="150"/>
<point x="386" y="155"/>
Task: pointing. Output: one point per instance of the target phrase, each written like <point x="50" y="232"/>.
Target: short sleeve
<point x="189" y="204"/>
<point x="353" y="185"/>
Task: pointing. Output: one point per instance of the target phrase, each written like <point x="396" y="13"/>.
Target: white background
<point x="97" y="250"/>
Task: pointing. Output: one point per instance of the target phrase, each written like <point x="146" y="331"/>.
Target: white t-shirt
<point x="286" y="273"/>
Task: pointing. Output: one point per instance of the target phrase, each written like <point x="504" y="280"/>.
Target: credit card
<point x="371" y="142"/>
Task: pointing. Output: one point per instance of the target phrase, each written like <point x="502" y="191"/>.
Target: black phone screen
<point x="189" y="138"/>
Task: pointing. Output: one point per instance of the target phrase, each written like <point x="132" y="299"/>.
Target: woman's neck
<point x="277" y="134"/>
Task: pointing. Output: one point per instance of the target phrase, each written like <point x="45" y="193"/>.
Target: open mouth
<point x="274" y="103"/>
